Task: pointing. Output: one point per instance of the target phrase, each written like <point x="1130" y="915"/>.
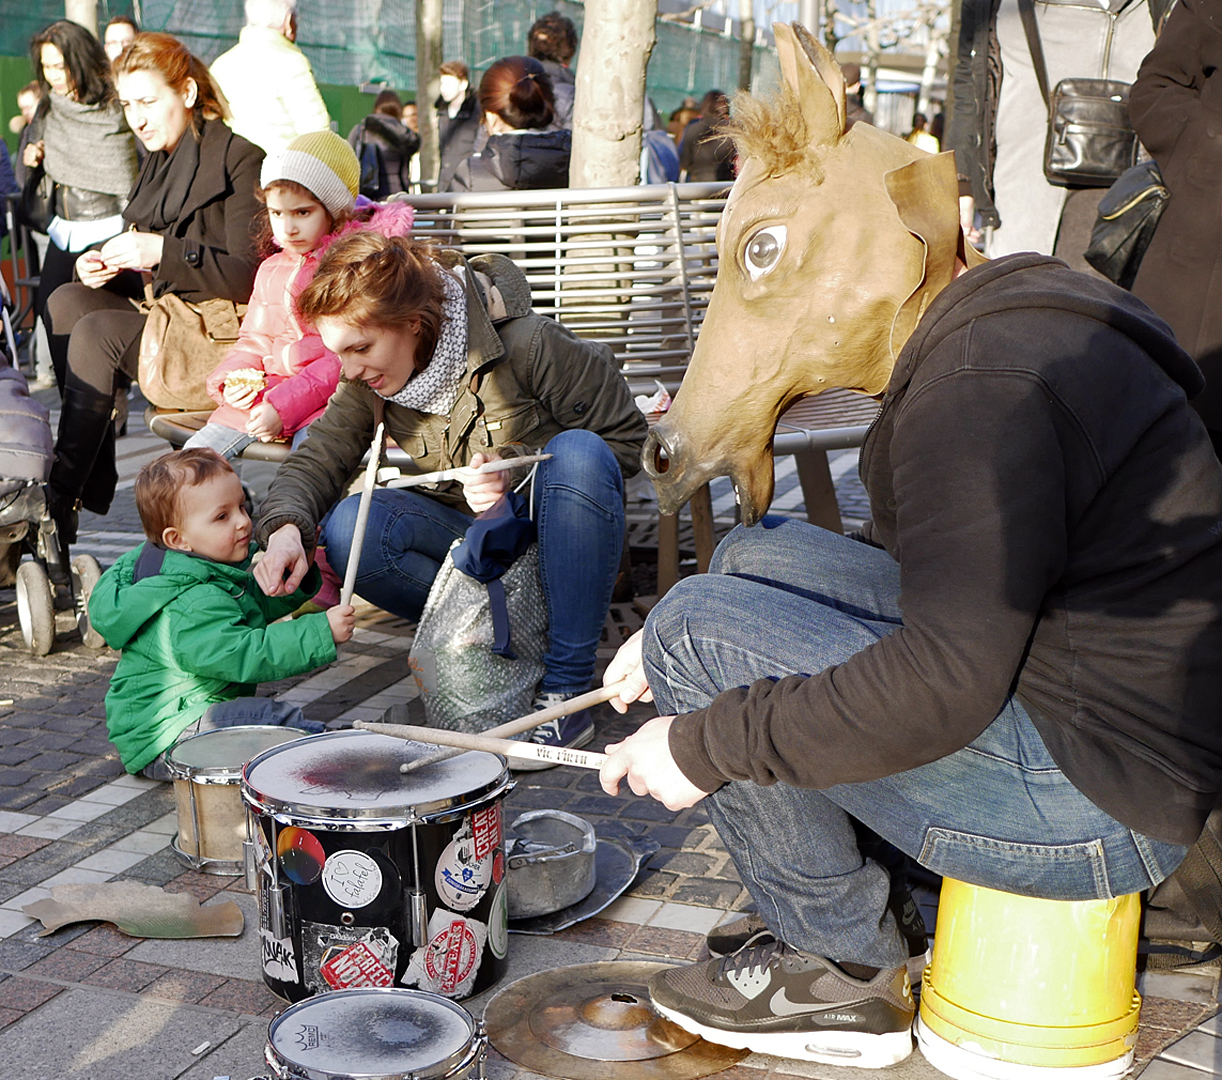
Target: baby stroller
<point x="26" y="452"/>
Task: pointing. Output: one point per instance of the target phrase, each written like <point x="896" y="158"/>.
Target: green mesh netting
<point x="350" y="42"/>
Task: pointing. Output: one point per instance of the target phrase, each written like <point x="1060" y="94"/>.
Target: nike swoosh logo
<point x="781" y="1005"/>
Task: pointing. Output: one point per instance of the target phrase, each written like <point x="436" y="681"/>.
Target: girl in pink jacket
<point x="279" y="376"/>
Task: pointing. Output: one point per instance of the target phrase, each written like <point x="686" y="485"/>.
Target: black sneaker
<point x="774" y="999"/>
<point x="751" y="929"/>
<point x="572" y="732"/>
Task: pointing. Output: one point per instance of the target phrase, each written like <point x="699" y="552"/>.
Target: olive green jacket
<point x="528" y="379"/>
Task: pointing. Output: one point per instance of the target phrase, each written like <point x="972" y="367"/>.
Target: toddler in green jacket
<point x="196" y="633"/>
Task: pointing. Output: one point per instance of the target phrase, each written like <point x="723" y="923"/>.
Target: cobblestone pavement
<point x="89" y="1002"/>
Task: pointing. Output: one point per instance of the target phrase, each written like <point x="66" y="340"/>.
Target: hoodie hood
<point x="1028" y="281"/>
<point x="391" y="133"/>
<point x="147" y="580"/>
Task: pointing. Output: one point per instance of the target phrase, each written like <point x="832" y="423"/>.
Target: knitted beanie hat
<point x="323" y="164"/>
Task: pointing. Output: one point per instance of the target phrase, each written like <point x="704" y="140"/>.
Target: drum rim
<point x="436" y="1071"/>
<point x="357" y="818"/>
<point x="223" y="774"/>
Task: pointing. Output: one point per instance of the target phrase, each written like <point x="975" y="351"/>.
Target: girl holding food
<point x="278" y="376"/>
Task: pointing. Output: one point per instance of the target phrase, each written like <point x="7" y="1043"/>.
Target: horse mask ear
<point x="926" y="196"/>
<point x="816" y="80"/>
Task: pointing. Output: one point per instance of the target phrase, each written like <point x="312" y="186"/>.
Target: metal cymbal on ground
<point x="595" y="1022"/>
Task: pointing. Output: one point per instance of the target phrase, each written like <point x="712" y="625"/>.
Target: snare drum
<point x="371" y="878"/>
<point x="207" y="769"/>
<point x="376" y="1035"/>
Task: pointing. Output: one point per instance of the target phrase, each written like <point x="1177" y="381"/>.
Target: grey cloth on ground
<point x="465" y="686"/>
<point x="89" y="147"/>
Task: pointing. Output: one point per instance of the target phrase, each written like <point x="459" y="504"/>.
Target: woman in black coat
<point x="1176" y="107"/>
<point x="189" y="216"/>
<point x="520" y="155"/>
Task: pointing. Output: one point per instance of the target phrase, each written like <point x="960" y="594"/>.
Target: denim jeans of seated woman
<point x="579" y="509"/>
<point x="786" y="598"/>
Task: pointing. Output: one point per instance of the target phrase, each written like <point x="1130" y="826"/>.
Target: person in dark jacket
<point x="552" y="41"/>
<point x="1176" y="107"/>
<point x="521" y="154"/>
<point x="459" y="130"/>
<point x="188" y="219"/>
<point x="393" y="143"/>
<point x="705" y="155"/>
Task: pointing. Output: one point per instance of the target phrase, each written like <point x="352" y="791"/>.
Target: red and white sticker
<point x="466" y="865"/>
<point x="449" y="961"/>
<point x="357" y="965"/>
<point x="352" y="879"/>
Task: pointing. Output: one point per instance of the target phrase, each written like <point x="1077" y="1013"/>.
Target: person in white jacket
<point x="266" y="80"/>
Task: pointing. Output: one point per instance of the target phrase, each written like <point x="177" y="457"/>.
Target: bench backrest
<point x="631" y="267"/>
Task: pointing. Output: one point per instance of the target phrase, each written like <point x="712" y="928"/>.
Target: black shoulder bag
<point x="1090" y="139"/>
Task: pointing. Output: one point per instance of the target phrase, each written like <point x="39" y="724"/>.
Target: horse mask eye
<point x="764" y="250"/>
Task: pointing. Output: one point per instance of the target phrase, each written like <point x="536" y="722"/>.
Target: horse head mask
<point x="831" y="246"/>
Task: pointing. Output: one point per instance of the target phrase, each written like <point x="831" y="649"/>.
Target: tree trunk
<point x="929" y="72"/>
<point x="84" y="13"/>
<point x="428" y="87"/>
<point x="746" y="52"/>
<point x="609" y="104"/>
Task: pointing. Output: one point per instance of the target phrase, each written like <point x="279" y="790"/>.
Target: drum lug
<point x="480" y="1047"/>
<point x="418" y="917"/>
<point x="276" y="913"/>
<point x="249" y="864"/>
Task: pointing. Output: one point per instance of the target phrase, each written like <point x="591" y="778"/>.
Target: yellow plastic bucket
<point x="1027" y="982"/>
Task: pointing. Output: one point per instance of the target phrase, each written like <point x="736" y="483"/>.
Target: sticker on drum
<point x="279" y="960"/>
<point x="498" y="923"/>
<point x="372" y="1033"/>
<point x="466" y="865"/>
<point x="352" y="879"/>
<point x="449" y="961"/>
<point x="344" y="957"/>
<point x="301" y="855"/>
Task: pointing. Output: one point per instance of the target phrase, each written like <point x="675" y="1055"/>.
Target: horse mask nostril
<point x="661" y="462"/>
<point x="655" y="456"/>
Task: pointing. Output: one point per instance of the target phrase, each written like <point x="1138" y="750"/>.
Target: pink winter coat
<point x="300" y="372"/>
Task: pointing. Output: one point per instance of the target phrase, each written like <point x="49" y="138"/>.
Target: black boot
<point x="84" y="425"/>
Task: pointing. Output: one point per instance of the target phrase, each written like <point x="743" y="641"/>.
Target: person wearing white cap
<point x="278" y="376"/>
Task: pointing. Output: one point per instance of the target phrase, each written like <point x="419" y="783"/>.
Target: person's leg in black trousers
<point x="57" y="269"/>
<point x="102" y="332"/>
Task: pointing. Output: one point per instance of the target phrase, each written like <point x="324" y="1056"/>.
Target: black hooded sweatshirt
<point x="521" y="161"/>
<point x="1055" y="507"/>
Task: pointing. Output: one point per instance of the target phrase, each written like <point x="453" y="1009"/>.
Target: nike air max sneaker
<point x="774" y="999"/>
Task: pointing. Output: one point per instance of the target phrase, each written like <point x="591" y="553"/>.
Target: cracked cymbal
<point x="595" y="1022"/>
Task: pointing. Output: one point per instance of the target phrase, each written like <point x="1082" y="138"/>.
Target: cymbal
<point x="595" y="1022"/>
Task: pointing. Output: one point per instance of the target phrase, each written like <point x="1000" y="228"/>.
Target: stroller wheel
<point x="85" y="574"/>
<point x="35" y="608"/>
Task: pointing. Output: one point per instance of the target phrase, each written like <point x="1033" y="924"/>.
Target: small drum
<point x="207" y="769"/>
<point x="371" y="878"/>
<point x="376" y="1035"/>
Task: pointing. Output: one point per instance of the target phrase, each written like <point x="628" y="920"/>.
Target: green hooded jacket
<point x="193" y="632"/>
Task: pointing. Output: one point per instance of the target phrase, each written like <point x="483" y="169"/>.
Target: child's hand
<point x="264" y="422"/>
<point x="342" y="618"/>
<point x="239" y="396"/>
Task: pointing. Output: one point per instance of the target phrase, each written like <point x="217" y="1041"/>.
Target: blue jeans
<point x="579" y="510"/>
<point x="787" y="598"/>
<point x="237" y="713"/>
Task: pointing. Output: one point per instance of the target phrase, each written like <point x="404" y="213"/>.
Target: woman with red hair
<point x="188" y="223"/>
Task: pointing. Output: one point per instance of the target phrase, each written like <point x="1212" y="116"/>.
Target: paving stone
<point x="241" y="996"/>
<point x="19" y="846"/>
<point x="105" y="940"/>
<point x="57" y="938"/>
<point x="653" y="883"/>
<point x="122" y="974"/>
<point x="184" y="985"/>
<point x="26" y="994"/>
<point x="707" y="892"/>
<point x="50" y="740"/>
<point x="598" y="931"/>
<point x="682" y="862"/>
<point x="45" y="863"/>
<point x="661" y="941"/>
<point x="201" y="886"/>
<point x="67" y="965"/>
<point x="239" y="1056"/>
<point x="19" y="955"/>
<point x="15" y="777"/>
<point x="17" y="798"/>
<point x="157" y="869"/>
<point x="98" y="1035"/>
<point x="593" y="804"/>
<point x="231" y="958"/>
<point x="7" y="1016"/>
<point x="16" y="755"/>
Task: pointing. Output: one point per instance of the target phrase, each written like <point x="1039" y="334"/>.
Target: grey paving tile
<point x="1163" y="1069"/>
<point x="100" y="1035"/>
<point x="1198" y="1049"/>
<point x="239" y="1056"/>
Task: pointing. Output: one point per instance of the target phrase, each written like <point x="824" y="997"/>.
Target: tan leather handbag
<point x="181" y="345"/>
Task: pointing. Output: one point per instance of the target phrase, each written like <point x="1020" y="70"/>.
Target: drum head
<point x="373" y="1033"/>
<point x="226" y="750"/>
<point x="355" y="774"/>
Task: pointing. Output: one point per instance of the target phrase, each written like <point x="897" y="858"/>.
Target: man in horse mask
<point x="1014" y="674"/>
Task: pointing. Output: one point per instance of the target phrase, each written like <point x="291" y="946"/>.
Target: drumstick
<point x="556" y="755"/>
<point x="500" y="465"/>
<point x="362" y="518"/>
<point x="525" y="723"/>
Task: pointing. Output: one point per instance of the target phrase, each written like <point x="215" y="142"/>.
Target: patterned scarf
<point x="436" y="388"/>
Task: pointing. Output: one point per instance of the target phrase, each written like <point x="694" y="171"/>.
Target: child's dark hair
<point x="265" y="240"/>
<point x="160" y="481"/>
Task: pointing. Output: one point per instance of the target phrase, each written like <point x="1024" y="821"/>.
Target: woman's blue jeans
<point x="786" y="598"/>
<point x="579" y="510"/>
